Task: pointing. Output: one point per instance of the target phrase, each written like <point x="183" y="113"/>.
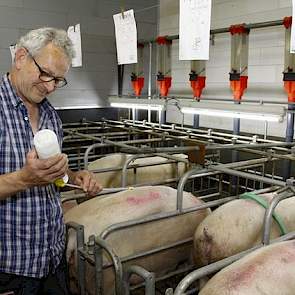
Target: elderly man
<point x="32" y="231"/>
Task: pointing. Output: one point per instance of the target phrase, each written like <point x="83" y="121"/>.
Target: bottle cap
<point x="61" y="182"/>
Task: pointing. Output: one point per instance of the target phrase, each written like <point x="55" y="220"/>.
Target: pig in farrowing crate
<point x="269" y="270"/>
<point x="180" y="212"/>
<point x="240" y="227"/>
<point x="151" y="227"/>
<point x="139" y="226"/>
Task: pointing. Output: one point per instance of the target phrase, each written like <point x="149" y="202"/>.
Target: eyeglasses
<point x="46" y="77"/>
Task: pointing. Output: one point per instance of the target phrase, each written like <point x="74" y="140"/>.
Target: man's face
<point x="50" y="61"/>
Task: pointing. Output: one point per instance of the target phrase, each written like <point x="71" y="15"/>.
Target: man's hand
<point x="43" y="171"/>
<point x="87" y="181"/>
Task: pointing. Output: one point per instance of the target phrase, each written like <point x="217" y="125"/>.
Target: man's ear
<point x="21" y="55"/>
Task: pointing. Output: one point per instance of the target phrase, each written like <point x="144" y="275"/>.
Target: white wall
<point x="266" y="57"/>
<point x="92" y="83"/>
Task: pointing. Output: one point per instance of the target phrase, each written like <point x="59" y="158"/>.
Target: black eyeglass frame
<point x="57" y="80"/>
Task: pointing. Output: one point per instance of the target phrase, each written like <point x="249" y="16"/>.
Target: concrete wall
<point x="266" y="57"/>
<point x="97" y="78"/>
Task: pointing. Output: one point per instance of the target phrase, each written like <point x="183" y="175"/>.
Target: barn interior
<point x="195" y="156"/>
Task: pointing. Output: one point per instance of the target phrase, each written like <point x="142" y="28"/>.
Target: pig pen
<point x="265" y="183"/>
<point x="214" y="187"/>
<point x="79" y="136"/>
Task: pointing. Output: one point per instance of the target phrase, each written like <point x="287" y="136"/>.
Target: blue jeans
<point x="53" y="284"/>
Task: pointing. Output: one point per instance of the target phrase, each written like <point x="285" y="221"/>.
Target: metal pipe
<point x="118" y="268"/>
<point x="122" y="145"/>
<point x="119" y="168"/>
<point x="134" y="157"/>
<point x="265" y="129"/>
<point x="236" y="131"/>
<point x="209" y="147"/>
<point x="268" y="217"/>
<point x="79" y="229"/>
<point x="199" y="173"/>
<point x="257" y="178"/>
<point x="269" y="154"/>
<point x="289" y="138"/>
<point x="183" y="130"/>
<point x="148" y="277"/>
<point x="226" y="30"/>
<point x="87" y="152"/>
<point x="236" y="126"/>
<point x="196" y="121"/>
<point x="235" y="153"/>
<point x="135" y="113"/>
<point x="202" y="132"/>
<point x="119" y="144"/>
<point x="156" y="217"/>
<point x="120" y="78"/>
<point x="97" y="145"/>
<point x="162" y="117"/>
<point x="150" y="79"/>
<point x="246" y="100"/>
<point x="216" y="266"/>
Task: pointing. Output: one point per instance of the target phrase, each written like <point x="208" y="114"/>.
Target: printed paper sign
<point x="126" y="37"/>
<point x="74" y="34"/>
<point x="12" y="49"/>
<point x="194" y="29"/>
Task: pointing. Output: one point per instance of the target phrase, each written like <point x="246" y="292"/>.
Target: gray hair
<point x="35" y="40"/>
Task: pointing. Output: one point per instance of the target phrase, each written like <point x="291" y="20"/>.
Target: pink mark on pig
<point x="242" y="277"/>
<point x="143" y="199"/>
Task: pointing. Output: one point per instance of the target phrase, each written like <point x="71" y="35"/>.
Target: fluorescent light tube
<point x="233" y="114"/>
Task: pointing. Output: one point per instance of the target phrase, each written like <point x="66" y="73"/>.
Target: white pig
<point x="101" y="212"/>
<point x="144" y="175"/>
<point x="266" y="271"/>
<point x="237" y="226"/>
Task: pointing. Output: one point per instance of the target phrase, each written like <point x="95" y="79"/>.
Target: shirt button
<point x="26" y="118"/>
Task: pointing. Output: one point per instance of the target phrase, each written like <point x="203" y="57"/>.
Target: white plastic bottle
<point x="46" y="144"/>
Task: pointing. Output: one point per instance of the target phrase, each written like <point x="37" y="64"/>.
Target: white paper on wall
<point x="292" y="43"/>
<point x="194" y="29"/>
<point x="12" y="49"/>
<point x="126" y="37"/>
<point x="74" y="34"/>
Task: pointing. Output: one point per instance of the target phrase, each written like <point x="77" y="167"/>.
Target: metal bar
<point x="122" y="225"/>
<point x="203" y="172"/>
<point x="248" y="175"/>
<point x="118" y="268"/>
<point x="134" y="157"/>
<point x="97" y="145"/>
<point x="216" y="266"/>
<point x="150" y="79"/>
<point x="289" y="138"/>
<point x="118" y="168"/>
<point x="119" y="144"/>
<point x="269" y="154"/>
<point x="79" y="229"/>
<point x="226" y="29"/>
<point x="196" y="121"/>
<point x="204" y="133"/>
<point x="215" y="147"/>
<point x="148" y="277"/>
<point x="268" y="216"/>
<point x="156" y="250"/>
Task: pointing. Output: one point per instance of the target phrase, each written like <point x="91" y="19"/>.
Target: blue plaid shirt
<point x="31" y="222"/>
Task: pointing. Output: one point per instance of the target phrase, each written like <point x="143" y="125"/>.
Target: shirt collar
<point x="16" y="101"/>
